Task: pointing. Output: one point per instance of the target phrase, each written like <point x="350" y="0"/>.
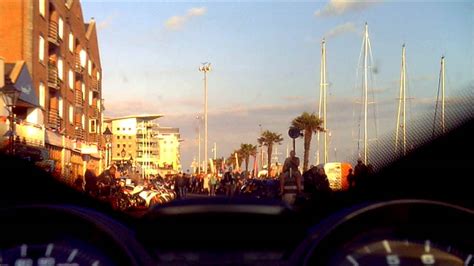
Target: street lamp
<point x="206" y="67"/>
<point x="10" y="96"/>
<point x="108" y="139"/>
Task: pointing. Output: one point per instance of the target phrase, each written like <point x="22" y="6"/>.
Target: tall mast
<point x="401" y="125"/>
<point x="321" y="97"/>
<point x="442" y="95"/>
<point x="366" y="54"/>
<point x="325" y="102"/>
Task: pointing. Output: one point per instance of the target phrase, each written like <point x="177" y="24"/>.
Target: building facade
<point x="61" y="54"/>
<point x="140" y="142"/>
<point x="169" y="143"/>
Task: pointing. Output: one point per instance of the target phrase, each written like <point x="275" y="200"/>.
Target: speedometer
<point x="60" y="254"/>
<point x="393" y="252"/>
<point x="394" y="233"/>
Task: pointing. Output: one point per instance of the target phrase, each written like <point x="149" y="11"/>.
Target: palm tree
<point x="247" y="150"/>
<point x="269" y="139"/>
<point x="231" y="159"/>
<point x="309" y="123"/>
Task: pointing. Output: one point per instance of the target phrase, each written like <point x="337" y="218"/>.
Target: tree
<point x="269" y="139"/>
<point x="247" y="150"/>
<point x="231" y="159"/>
<point x="309" y="123"/>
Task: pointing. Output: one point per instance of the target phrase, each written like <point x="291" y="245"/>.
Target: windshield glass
<point x="267" y="100"/>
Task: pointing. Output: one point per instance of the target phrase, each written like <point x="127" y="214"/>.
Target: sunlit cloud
<point x="348" y="27"/>
<point x="177" y="22"/>
<point x="340" y="7"/>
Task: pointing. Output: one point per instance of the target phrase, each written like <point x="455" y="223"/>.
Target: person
<point x="351" y="179"/>
<point x="91" y="183"/>
<point x="228" y="182"/>
<point x="360" y="172"/>
<point x="106" y="180"/>
<point x="290" y="179"/>
<point x="212" y="185"/>
<point x="79" y="183"/>
<point x="179" y="185"/>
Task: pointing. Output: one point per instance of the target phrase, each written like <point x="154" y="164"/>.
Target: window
<point x="98" y="75"/>
<point x="60" y="107"/>
<point x="71" y="79"/>
<point x="60" y="68"/>
<point x="71" y="42"/>
<point x="60" y="28"/>
<point x="129" y="137"/>
<point x="83" y="58"/>
<point x="71" y="114"/>
<point x="124" y="145"/>
<point x="41" y="49"/>
<point x="118" y="154"/>
<point x="118" y="146"/>
<point x="83" y="89"/>
<point x="118" y="137"/>
<point x="118" y="129"/>
<point x="83" y="121"/>
<point x="129" y="145"/>
<point x="129" y="128"/>
<point x="42" y="96"/>
<point x="91" y="96"/>
<point x="89" y="67"/>
<point x="98" y="105"/>
<point x="42" y="7"/>
<point x="123" y="129"/>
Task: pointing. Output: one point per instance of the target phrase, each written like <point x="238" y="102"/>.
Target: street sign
<point x="294" y="133"/>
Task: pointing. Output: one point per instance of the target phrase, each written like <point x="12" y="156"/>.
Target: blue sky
<point x="265" y="58"/>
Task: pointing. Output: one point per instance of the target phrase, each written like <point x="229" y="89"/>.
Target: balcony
<point x="53" y="79"/>
<point x="78" y="98"/>
<point x="54" y="121"/>
<point x="53" y="36"/>
<point x="79" y="132"/>
<point x="94" y="85"/>
<point x="77" y="64"/>
<point x="95" y="113"/>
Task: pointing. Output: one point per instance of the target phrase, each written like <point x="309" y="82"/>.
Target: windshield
<point x="267" y="100"/>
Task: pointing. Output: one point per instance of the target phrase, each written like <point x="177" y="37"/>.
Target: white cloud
<point x="339" y="7"/>
<point x="340" y="29"/>
<point x="177" y="22"/>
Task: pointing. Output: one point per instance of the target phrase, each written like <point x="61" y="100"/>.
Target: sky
<point x="265" y="60"/>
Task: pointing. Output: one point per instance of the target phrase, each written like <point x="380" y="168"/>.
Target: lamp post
<point x="206" y="67"/>
<point x="10" y="96"/>
<point x="199" y="144"/>
<point x="108" y="139"/>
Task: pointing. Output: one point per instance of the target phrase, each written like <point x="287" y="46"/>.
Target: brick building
<point x="61" y="54"/>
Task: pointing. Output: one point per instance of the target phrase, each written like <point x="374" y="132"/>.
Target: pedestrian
<point x="351" y="179"/>
<point x="290" y="179"/>
<point x="212" y="185"/>
<point x="91" y="187"/>
<point x="79" y="183"/>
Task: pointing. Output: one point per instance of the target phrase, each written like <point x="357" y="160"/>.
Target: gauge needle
<point x="386" y="245"/>
<point x="24" y="249"/>
<point x="72" y="255"/>
<point x="49" y="249"/>
<point x="352" y="260"/>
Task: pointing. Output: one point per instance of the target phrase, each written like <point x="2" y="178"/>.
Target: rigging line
<point x="357" y="122"/>
<point x="436" y="107"/>
<point x="372" y="76"/>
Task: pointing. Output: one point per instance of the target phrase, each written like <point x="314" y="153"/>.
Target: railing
<point x="53" y="36"/>
<point x="79" y="132"/>
<point x="53" y="79"/>
<point x="54" y="121"/>
<point x="95" y="113"/>
<point x="77" y="63"/>
<point x="78" y="98"/>
<point x="94" y="85"/>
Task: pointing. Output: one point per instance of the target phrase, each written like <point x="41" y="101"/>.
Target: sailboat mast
<point x="366" y="53"/>
<point x="442" y="95"/>
<point x="324" y="101"/>
<point x="401" y="125"/>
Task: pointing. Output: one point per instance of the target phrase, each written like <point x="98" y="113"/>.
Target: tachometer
<point x="393" y="252"/>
